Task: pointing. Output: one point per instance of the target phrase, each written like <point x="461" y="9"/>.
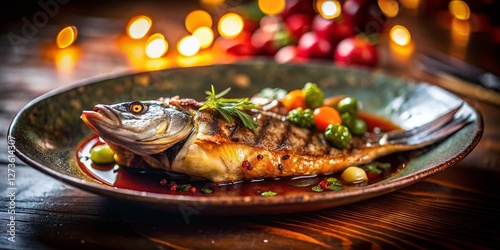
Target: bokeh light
<point x="400" y="35"/>
<point x="271" y="7"/>
<point x="390" y="8"/>
<point x="230" y="25"/>
<point x="139" y="26"/>
<point x="410" y="4"/>
<point x="156" y="46"/>
<point x="212" y="3"/>
<point x="66" y="60"/>
<point x="328" y="9"/>
<point x="460" y="31"/>
<point x="196" y="19"/>
<point x="459" y="9"/>
<point x="66" y="37"/>
<point x="205" y="35"/>
<point x="188" y="46"/>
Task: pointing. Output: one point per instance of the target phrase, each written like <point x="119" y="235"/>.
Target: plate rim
<point x="239" y="201"/>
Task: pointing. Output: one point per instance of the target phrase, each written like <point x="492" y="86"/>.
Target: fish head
<point x="143" y="127"/>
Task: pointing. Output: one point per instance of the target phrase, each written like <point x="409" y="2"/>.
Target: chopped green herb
<point x="376" y="167"/>
<point x="268" y="193"/>
<point x="183" y="187"/>
<point x="206" y="191"/>
<point x="333" y="180"/>
<point x="303" y="184"/>
<point x="335" y="187"/>
<point x="317" y="189"/>
<point x="231" y="107"/>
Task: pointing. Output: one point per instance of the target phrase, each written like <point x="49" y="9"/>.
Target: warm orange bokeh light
<point x="196" y="19"/>
<point x="459" y="9"/>
<point x="66" y="59"/>
<point x="409" y="4"/>
<point x="230" y="25"/>
<point x="188" y="46"/>
<point x="205" y="35"/>
<point x="212" y="3"/>
<point x="390" y="8"/>
<point x="460" y="31"/>
<point x="328" y="9"/>
<point x="139" y="26"/>
<point x="66" y="37"/>
<point x="400" y="35"/>
<point x="156" y="46"/>
<point x="271" y="7"/>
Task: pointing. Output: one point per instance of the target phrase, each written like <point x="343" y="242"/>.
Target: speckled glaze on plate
<point x="48" y="130"/>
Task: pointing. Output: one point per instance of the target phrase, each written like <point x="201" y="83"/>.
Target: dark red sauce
<point x="157" y="181"/>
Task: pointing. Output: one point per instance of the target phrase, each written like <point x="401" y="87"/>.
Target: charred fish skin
<point x="228" y="152"/>
<point x="175" y="136"/>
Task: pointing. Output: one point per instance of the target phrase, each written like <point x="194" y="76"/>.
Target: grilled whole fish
<point x="172" y="134"/>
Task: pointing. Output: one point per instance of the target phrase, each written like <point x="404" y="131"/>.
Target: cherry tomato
<point x="356" y="51"/>
<point x="324" y="116"/>
<point x="294" y="99"/>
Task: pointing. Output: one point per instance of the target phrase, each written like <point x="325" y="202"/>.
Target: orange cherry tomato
<point x="294" y="99"/>
<point x="324" y="116"/>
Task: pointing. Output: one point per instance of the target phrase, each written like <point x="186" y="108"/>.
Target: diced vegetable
<point x="338" y="135"/>
<point x="102" y="154"/>
<point x="324" y="116"/>
<point x="314" y="96"/>
<point x="302" y="117"/>
<point x="349" y="105"/>
<point x="294" y="99"/>
<point x="354" y="175"/>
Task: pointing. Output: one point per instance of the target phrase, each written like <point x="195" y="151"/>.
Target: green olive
<point x="354" y="175"/>
<point x="349" y="105"/>
<point x="102" y="154"/>
<point x="338" y="135"/>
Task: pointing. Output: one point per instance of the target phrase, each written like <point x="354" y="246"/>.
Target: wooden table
<point x="458" y="208"/>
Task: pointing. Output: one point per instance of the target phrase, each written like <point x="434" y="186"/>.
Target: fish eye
<point x="136" y="107"/>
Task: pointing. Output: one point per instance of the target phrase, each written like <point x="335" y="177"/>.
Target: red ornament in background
<point x="356" y="51"/>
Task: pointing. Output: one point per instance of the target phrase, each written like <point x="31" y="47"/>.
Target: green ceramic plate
<point x="48" y="130"/>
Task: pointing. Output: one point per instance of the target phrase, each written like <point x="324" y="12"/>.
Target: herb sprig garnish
<point x="231" y="107"/>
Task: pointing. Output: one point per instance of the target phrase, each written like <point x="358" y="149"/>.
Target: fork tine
<point x="428" y="127"/>
<point x="435" y="135"/>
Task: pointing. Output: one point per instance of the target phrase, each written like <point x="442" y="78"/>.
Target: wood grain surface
<point x="456" y="209"/>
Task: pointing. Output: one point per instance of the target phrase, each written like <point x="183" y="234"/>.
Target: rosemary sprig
<point x="231" y="107"/>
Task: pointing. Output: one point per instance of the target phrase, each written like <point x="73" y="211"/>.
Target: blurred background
<point x="51" y="43"/>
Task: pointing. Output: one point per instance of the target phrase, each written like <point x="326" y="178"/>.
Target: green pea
<point x="349" y="105"/>
<point x="102" y="154"/>
<point x="358" y="127"/>
<point x="338" y="135"/>
<point x="347" y="119"/>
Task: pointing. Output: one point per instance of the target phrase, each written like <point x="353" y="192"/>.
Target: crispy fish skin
<point x="174" y="135"/>
<point x="229" y="152"/>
